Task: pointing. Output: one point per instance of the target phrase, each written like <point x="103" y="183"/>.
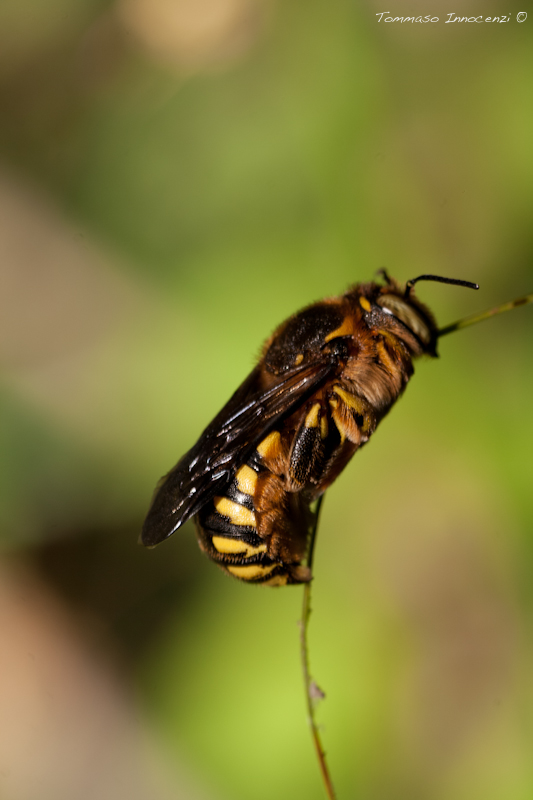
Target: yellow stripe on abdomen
<point x="246" y="480"/>
<point x="277" y="580"/>
<point x="250" y="571"/>
<point x="237" y="514"/>
<point x="271" y="446"/>
<point x="224" y="544"/>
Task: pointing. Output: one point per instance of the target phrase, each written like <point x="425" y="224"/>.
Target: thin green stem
<point x="475" y="318"/>
<point x="312" y="692"/>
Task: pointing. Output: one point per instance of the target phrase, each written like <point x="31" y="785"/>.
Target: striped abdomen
<point x="258" y="530"/>
<point x="229" y="531"/>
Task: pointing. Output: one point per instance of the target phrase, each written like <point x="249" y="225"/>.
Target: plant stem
<point x="475" y="318"/>
<point x="311" y="690"/>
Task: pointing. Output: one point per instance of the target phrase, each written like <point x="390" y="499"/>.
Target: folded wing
<point x="208" y="467"/>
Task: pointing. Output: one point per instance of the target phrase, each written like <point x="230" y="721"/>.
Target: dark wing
<point x="208" y="467"/>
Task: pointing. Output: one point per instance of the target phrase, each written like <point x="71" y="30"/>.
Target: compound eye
<point x="394" y="305"/>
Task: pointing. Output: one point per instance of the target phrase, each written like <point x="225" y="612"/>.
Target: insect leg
<point x="307" y="447"/>
<point x="351" y="416"/>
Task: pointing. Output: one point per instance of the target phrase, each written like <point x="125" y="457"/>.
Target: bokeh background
<point x="176" y="177"/>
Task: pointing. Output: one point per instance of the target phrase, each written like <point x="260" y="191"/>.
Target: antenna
<point x="454" y="281"/>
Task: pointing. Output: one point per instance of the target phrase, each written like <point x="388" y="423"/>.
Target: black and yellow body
<point x="326" y="378"/>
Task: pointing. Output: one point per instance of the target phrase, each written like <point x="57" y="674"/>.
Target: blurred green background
<point x="177" y="177"/>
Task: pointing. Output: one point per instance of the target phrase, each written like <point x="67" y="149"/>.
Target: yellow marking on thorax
<point x="236" y="547"/>
<point x="246" y="479"/>
<point x="346" y="329"/>
<point x="271" y="446"/>
<point x="250" y="571"/>
<point x="299" y="358"/>
<point x="324" y="427"/>
<point x="364" y="303"/>
<point x="311" y="420"/>
<point x="237" y="514"/>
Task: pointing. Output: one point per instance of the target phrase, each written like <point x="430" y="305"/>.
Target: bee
<point x="325" y="379"/>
